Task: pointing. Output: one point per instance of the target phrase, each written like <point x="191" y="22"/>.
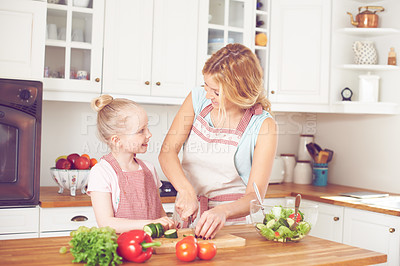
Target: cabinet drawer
<point x="68" y="218"/>
<point x="19" y="220"/>
<point x="169" y="208"/>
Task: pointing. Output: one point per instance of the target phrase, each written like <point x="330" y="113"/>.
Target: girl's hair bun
<point x="101" y="101"/>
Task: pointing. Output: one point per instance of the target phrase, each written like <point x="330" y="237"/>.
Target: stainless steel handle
<point x="79" y="218"/>
<point x="392" y="230"/>
<point x="336" y="219"/>
<point x="147" y="82"/>
<point x="158" y="83"/>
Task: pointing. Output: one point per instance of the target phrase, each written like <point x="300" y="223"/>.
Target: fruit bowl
<point x="71" y="179"/>
<point x="276" y="222"/>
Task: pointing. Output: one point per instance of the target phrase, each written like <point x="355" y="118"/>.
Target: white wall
<point x="70" y="127"/>
<point x="366" y="150"/>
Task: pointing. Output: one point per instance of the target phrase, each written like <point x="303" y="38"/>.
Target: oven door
<point x="18" y="167"/>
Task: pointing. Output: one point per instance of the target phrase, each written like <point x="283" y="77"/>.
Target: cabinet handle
<point x="158" y="83"/>
<point x="392" y="230"/>
<point x="79" y="218"/>
<point x="336" y="219"/>
<point x="147" y="82"/>
<point x="272" y="92"/>
<point x="169" y="214"/>
<point x="97" y="80"/>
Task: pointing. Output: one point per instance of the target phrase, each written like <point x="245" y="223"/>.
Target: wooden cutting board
<point x="221" y="240"/>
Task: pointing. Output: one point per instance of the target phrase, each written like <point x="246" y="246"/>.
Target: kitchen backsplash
<point x="71" y="127"/>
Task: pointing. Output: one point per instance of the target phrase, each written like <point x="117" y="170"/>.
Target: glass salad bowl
<point x="274" y="219"/>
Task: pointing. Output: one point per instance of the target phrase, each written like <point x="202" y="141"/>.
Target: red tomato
<point x="277" y="234"/>
<point x="298" y="217"/>
<point x="206" y="250"/>
<point x="186" y="249"/>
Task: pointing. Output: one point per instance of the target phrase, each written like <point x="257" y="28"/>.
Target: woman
<point x="229" y="140"/>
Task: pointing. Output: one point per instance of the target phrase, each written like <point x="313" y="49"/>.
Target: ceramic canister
<point x="368" y="88"/>
<point x="302" y="173"/>
<point x="303" y="154"/>
<point x="289" y="161"/>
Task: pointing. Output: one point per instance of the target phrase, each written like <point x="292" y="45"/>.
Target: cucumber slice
<point x="259" y="226"/>
<point x="151" y="230"/>
<point x="160" y="230"/>
<point x="171" y="233"/>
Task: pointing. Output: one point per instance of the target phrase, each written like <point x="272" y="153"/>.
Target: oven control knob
<point x="24" y="94"/>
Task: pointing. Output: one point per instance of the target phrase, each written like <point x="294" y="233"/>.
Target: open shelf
<point x="355" y="107"/>
<point x="369" y="67"/>
<point x="369" y="31"/>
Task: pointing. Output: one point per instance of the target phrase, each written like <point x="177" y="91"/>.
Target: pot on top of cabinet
<point x="367" y="18"/>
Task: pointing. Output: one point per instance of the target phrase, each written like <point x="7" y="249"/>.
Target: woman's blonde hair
<point x="111" y="115"/>
<point x="238" y="72"/>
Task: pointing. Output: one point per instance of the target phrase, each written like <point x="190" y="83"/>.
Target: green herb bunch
<point x="95" y="246"/>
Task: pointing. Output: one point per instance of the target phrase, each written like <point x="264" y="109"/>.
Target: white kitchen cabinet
<point x="150" y="49"/>
<point x="373" y="231"/>
<point x="300" y="53"/>
<point x="329" y="223"/>
<point x="22" y="27"/>
<point x="74" y="51"/>
<point x="169" y="208"/>
<point x="62" y="220"/>
<point x="222" y="22"/>
<point x="16" y="223"/>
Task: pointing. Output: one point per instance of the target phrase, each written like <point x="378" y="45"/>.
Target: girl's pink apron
<point x="139" y="198"/>
<point x="208" y="162"/>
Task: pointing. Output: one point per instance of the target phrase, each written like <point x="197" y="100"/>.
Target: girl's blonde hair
<point x="238" y="72"/>
<point x="111" y="115"/>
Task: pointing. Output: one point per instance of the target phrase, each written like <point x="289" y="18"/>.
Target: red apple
<point x="82" y="163"/>
<point x="63" y="164"/>
<point x="72" y="158"/>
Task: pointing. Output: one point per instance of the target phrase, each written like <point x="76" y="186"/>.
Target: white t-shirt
<point x="103" y="178"/>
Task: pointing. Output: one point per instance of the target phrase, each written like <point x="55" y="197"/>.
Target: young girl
<point x="124" y="189"/>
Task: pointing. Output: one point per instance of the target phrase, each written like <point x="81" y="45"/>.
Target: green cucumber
<point x="160" y="230"/>
<point x="171" y="233"/>
<point x="259" y="226"/>
<point x="151" y="230"/>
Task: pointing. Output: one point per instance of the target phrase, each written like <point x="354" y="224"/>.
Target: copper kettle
<point x="367" y="18"/>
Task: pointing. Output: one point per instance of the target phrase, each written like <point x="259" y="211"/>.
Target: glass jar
<point x="302" y="173"/>
<point x="289" y="161"/>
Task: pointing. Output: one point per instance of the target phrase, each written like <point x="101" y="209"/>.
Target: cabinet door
<point x="299" y="51"/>
<point x="329" y="223"/>
<point x="128" y="46"/>
<point x="23" y="28"/>
<point x="174" y="47"/>
<point x="19" y="221"/>
<point x="373" y="231"/>
<point x="65" y="219"/>
<point x="73" y="56"/>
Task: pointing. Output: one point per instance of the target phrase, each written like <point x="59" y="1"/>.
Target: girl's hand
<point x="210" y="223"/>
<point x="166" y="222"/>
<point x="187" y="205"/>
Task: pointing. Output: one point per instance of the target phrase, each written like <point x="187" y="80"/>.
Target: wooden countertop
<point x="49" y="198"/>
<point x="258" y="251"/>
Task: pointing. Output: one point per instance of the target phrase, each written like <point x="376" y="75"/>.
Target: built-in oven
<point x="20" y="135"/>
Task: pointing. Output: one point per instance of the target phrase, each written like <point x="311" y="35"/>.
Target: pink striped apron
<point x="139" y="197"/>
<point x="208" y="162"/>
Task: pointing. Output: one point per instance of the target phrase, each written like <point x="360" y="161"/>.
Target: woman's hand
<point x="210" y="223"/>
<point x="187" y="205"/>
<point x="166" y="222"/>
